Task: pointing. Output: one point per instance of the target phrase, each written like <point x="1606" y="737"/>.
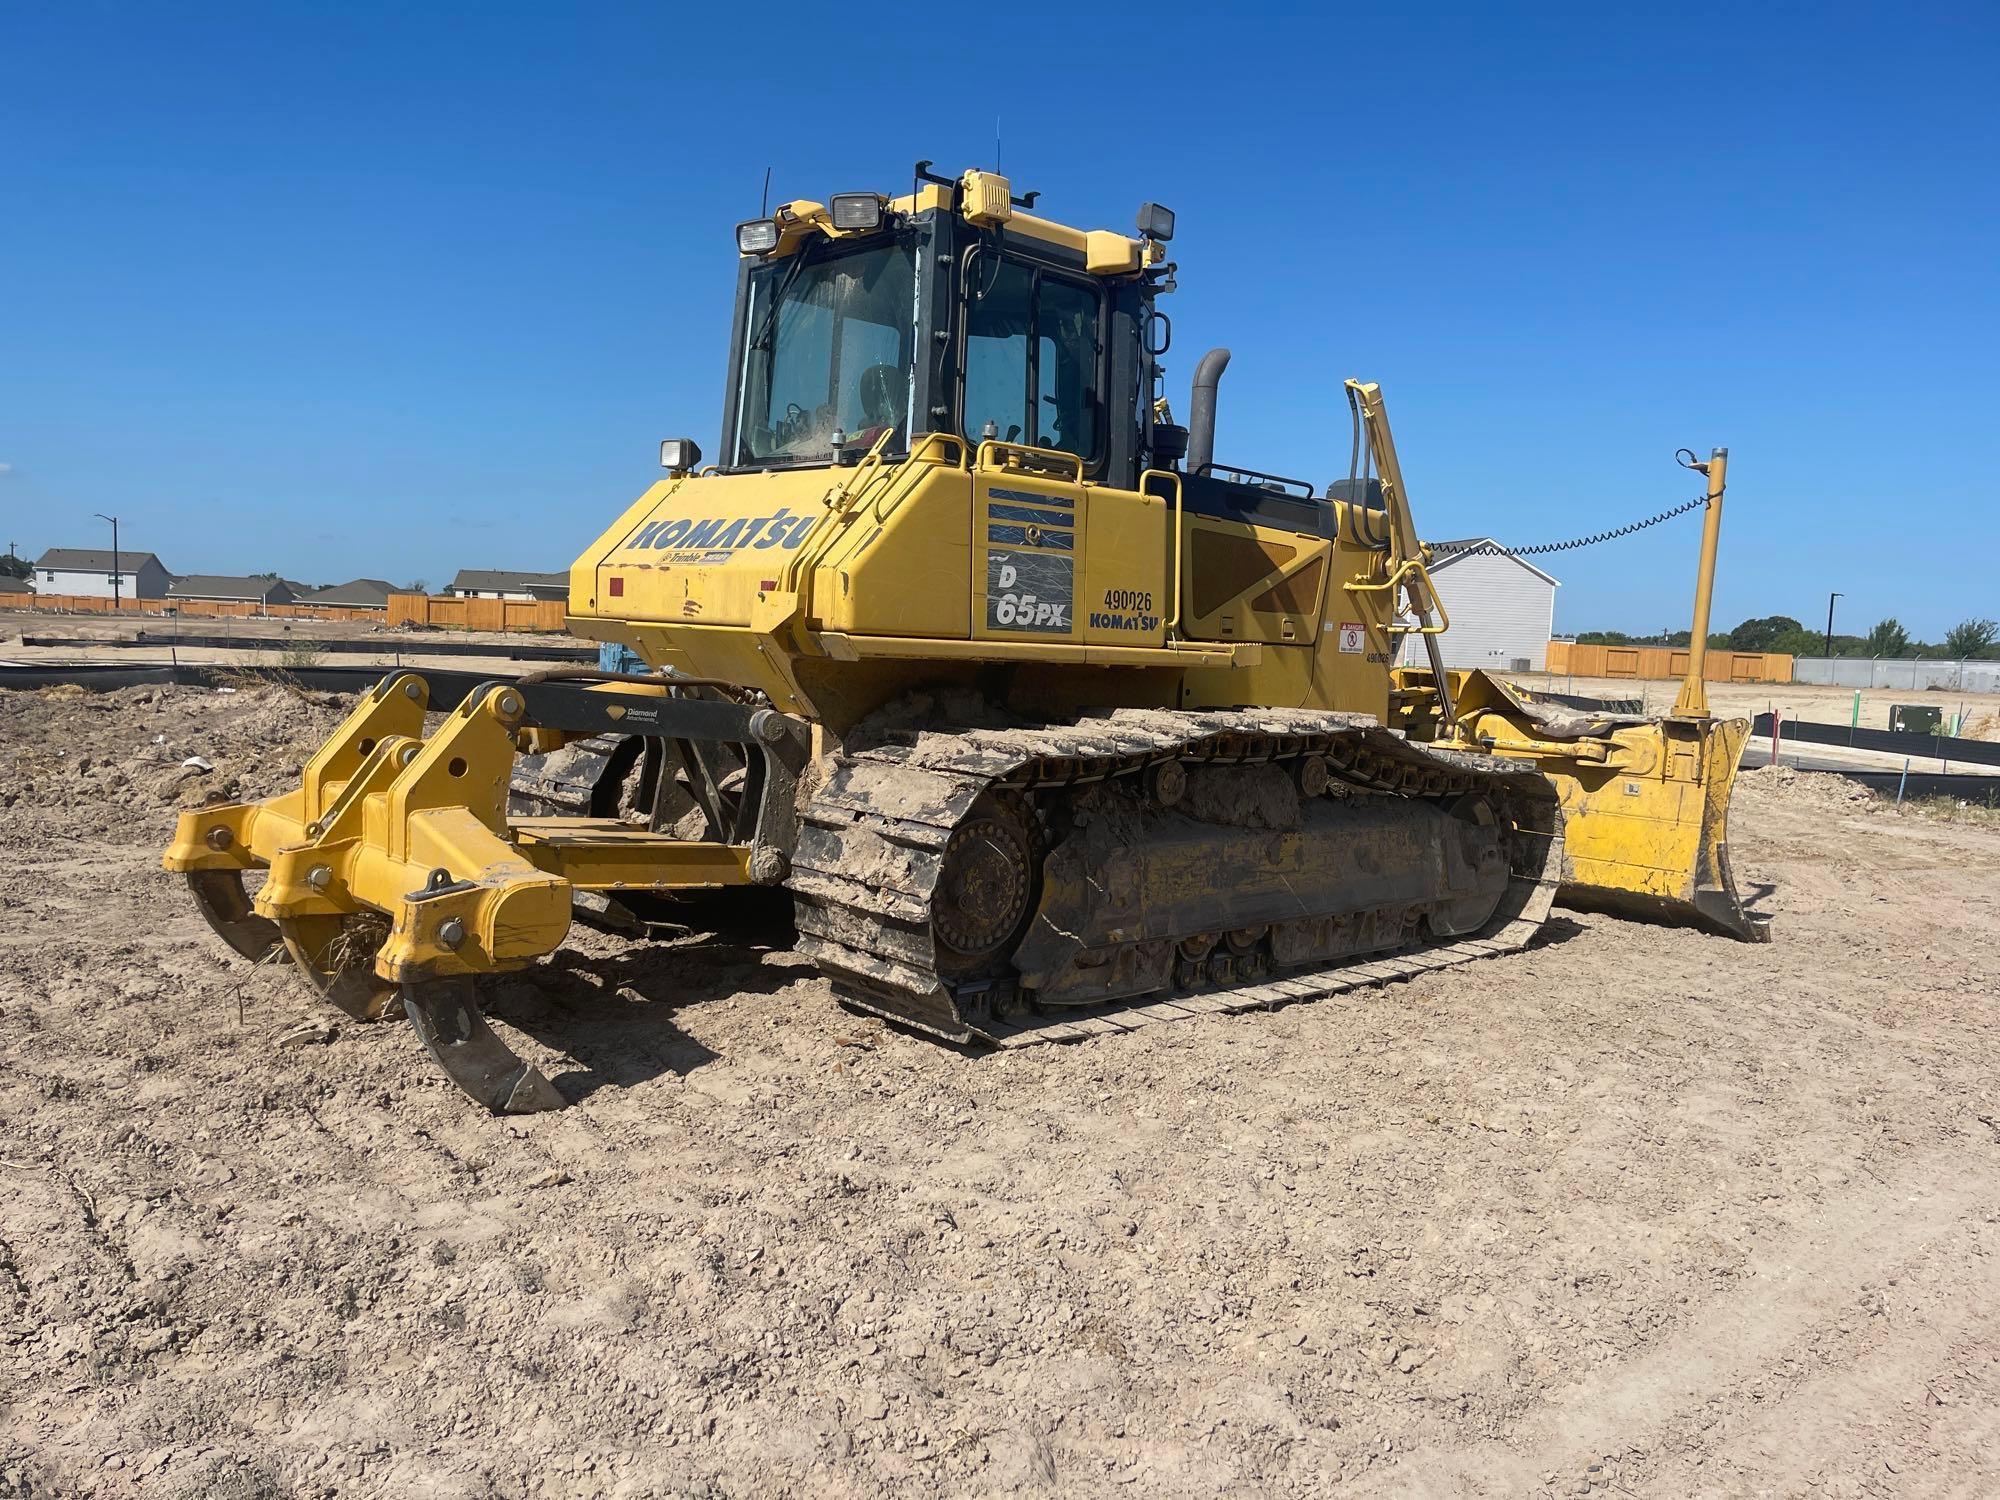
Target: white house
<point x="1502" y="609"/>
<point x="489" y="583"/>
<point x="88" y="571"/>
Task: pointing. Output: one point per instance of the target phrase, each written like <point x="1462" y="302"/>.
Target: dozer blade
<point x="447" y="1017"/>
<point x="1645" y="802"/>
<point x="1656" y="847"/>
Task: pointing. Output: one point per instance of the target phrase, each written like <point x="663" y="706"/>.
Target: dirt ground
<point x="1636" y="1212"/>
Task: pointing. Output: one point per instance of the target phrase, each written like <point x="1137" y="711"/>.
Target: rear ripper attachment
<point x="394" y="877"/>
<point x="1055" y="881"/>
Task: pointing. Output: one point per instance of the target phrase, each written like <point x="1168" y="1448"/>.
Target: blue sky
<point x="393" y="290"/>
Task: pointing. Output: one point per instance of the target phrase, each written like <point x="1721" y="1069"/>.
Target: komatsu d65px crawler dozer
<point x="1051" y="724"/>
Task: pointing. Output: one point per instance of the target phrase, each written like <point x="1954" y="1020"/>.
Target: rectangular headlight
<point x="757" y="236"/>
<point x="856" y="211"/>
<point x="1155" y="222"/>
<point x="679" y="454"/>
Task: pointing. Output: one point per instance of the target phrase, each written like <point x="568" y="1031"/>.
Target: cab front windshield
<point x="827" y="352"/>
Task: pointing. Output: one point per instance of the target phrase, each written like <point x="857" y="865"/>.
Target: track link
<point x="872" y="841"/>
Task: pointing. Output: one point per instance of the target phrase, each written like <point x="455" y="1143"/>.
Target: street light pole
<point x="117" y="568"/>
<point x="1829" y="622"/>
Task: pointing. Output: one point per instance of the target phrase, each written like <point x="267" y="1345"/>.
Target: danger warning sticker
<point x="1353" y="636"/>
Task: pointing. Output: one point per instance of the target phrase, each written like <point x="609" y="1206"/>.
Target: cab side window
<point x="1031" y="356"/>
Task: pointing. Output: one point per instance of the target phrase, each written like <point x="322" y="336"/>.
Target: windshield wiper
<point x="763" y="339"/>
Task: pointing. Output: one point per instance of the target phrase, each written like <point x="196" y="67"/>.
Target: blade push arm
<point x="1406" y="551"/>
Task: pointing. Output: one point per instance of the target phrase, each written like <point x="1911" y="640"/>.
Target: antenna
<point x="764" y="203"/>
<point x="996" y="144"/>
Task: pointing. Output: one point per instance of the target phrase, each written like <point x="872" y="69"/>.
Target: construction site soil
<point x="1637" y="1211"/>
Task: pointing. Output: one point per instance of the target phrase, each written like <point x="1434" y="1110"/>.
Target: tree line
<point x="1968" y="640"/>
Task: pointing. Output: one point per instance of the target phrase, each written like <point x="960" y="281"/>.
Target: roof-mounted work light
<point x="856" y="210"/>
<point x="1155" y="222"/>
<point x="757" y="236"/>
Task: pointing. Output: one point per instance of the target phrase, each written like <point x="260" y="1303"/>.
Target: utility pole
<point x="1829" y="622"/>
<point x="117" y="569"/>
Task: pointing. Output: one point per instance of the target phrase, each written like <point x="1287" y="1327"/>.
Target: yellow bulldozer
<point x="1052" y="725"/>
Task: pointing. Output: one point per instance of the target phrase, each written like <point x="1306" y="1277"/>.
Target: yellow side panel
<point x="699" y="550"/>
<point x="1124" y="598"/>
<point x="903" y="566"/>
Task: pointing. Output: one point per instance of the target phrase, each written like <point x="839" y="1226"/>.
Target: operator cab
<point x="951" y="310"/>
<point x="955" y="310"/>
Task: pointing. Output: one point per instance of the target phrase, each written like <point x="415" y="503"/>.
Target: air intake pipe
<point x="1201" y="410"/>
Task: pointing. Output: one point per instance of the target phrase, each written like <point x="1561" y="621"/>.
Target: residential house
<point x="357" y="593"/>
<point x="221" y="589"/>
<point x="1502" y="609"/>
<point x="485" y="583"/>
<point x="89" y="571"/>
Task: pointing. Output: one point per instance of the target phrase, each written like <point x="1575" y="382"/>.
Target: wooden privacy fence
<point x="190" y="609"/>
<point x="477" y="614"/>
<point x="404" y="609"/>
<point x="1666" y="663"/>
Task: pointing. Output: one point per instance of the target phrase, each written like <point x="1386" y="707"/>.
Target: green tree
<point x="14" y="567"/>
<point x="1888" y="638"/>
<point x="1764" y="634"/>
<point x="1971" y="638"/>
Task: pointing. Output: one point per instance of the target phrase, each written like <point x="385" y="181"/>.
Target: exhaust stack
<point x="1201" y="410"/>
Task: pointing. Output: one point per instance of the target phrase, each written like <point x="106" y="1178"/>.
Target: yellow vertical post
<point x="1693" y="700"/>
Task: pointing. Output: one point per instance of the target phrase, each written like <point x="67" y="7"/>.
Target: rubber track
<point x="871" y="840"/>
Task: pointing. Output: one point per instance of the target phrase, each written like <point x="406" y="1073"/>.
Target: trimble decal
<point x="713" y="539"/>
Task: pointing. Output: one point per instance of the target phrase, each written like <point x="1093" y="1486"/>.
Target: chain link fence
<point x="1897" y="673"/>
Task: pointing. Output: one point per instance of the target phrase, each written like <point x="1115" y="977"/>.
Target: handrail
<point x="1174" y="622"/>
<point x="920" y="451"/>
<point x="833" y="502"/>
<point x="995" y="445"/>
<point x="1409" y="565"/>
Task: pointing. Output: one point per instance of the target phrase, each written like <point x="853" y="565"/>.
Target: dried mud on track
<point x="1635" y="1212"/>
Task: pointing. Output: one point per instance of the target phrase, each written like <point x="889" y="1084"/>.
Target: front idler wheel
<point x="986" y="887"/>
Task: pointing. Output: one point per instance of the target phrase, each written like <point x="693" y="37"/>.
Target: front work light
<point x="757" y="236"/>
<point x="1155" y="222"/>
<point x="679" y="455"/>
<point x="856" y="211"/>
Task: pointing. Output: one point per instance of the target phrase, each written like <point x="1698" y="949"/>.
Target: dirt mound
<point x="1795" y="788"/>
<point x="117" y="763"/>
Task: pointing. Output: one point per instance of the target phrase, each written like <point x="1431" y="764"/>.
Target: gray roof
<point x="92" y="560"/>
<point x="10" y="585"/>
<point x="510" y="583"/>
<point x="1465" y="546"/>
<point x="221" y="586"/>
<point x="356" y="593"/>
